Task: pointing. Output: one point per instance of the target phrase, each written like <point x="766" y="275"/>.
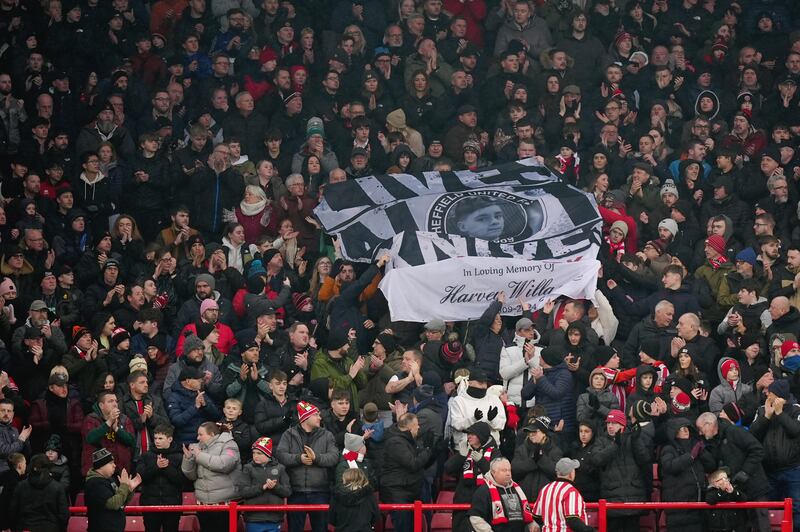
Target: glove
<point x="740" y="478"/>
<point x="697" y="449"/>
<point x="476" y="456"/>
<point x="594" y="402"/>
<point x="478" y="415"/>
<point x="493" y="411"/>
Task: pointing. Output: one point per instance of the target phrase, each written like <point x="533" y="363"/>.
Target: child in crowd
<point x="242" y="432"/>
<point x="59" y="468"/>
<point x="354" y="508"/>
<point x="720" y="489"/>
<point x="162" y="479"/>
<point x="264" y="481"/>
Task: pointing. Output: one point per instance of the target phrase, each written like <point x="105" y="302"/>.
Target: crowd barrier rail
<point x="418" y="507"/>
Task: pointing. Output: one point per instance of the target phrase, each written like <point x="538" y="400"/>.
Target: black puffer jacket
<point x="272" y="419"/>
<point x="534" y="465"/>
<point x="683" y="476"/>
<point x="780" y="436"/>
<point x="739" y="450"/>
<point x="353" y="511"/>
<point x="488" y="345"/>
<point x="162" y="485"/>
<point x="39" y="503"/>
<point x="587" y="476"/>
<point x="622" y="461"/>
<point x="403" y="466"/>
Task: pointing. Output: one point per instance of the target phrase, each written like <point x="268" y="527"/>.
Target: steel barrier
<point x="418" y="507"/>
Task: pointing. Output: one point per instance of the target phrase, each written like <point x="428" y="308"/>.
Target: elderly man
<point x="702" y="348"/>
<point x="659" y="326"/>
<point x="785" y="318"/>
<point x="740" y="452"/>
<point x="500" y="505"/>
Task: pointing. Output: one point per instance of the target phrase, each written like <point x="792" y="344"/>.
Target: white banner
<point x="461" y="288"/>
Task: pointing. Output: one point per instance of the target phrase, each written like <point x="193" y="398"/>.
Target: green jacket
<point x="337" y="372"/>
<point x="715" y="279"/>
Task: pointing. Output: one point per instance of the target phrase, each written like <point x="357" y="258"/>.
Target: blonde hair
<point x="233" y="401"/>
<point x="59" y="369"/>
<point x="354" y="479"/>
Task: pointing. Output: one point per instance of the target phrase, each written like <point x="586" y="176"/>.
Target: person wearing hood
<point x="580" y="353"/>
<point x="726" y="201"/>
<point x="92" y="192"/>
<point x="162" y="479"/>
<point x="598" y="401"/>
<point x="535" y="459"/>
<point x="628" y="451"/>
<point x="471" y="405"/>
<point x="107" y="494"/>
<point x="644" y="385"/>
<point x="39" y="502"/>
<point x="683" y="469"/>
<point x="552" y="386"/>
<point x="777" y="427"/>
<point x="584" y="450"/>
<point x="471" y="469"/>
<point x="788" y="365"/>
<point x="213" y="465"/>
<point x="518" y="358"/>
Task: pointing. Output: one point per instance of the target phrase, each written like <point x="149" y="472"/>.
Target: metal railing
<point x="418" y="507"/>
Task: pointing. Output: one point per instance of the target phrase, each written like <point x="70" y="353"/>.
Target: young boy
<point x="241" y="431"/>
<point x="162" y="480"/>
<point x="598" y="401"/>
<point x="59" y="467"/>
<point x="616" y="239"/>
<point x="276" y="412"/>
<point x="570" y="162"/>
<point x="720" y="489"/>
<point x="264" y="481"/>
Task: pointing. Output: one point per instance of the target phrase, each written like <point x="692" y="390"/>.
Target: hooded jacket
<point x="534" y="465"/>
<point x="587" y="476"/>
<point x="467" y="473"/>
<point x="39" y="503"/>
<point x="724" y="392"/>
<point x="622" y="461"/>
<point x="403" y="466"/>
<point x="513" y="367"/>
<point x="606" y="401"/>
<point x="214" y="470"/>
<point x="683" y="477"/>
<point x="738" y="450"/>
<point x="353" y="510"/>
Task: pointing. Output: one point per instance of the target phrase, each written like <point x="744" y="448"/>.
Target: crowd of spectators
<point x="173" y="319"/>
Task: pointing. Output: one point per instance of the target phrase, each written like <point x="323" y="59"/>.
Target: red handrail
<point x="418" y="507"/>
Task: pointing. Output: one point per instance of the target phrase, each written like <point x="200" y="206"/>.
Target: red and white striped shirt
<point x="558" y="501"/>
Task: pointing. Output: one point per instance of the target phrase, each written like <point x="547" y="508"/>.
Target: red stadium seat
<point x="80" y="499"/>
<point x="648" y="523"/>
<point x="775" y="518"/>
<point x="445" y="497"/>
<point x="592" y="518"/>
<point x="442" y="521"/>
<point x="189" y="523"/>
<point x="78" y="524"/>
<point x="134" y="523"/>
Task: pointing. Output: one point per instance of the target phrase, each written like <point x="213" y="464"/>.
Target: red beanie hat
<point x="264" y="445"/>
<point x="717" y="243"/>
<point x="727" y="365"/>
<point x="787" y="346"/>
<point x="681" y="403"/>
<point x="617" y="416"/>
<point x="306" y="410"/>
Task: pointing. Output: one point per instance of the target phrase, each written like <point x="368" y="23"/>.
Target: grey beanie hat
<point x="208" y="278"/>
<point x="191" y="343"/>
<point x="353" y="442"/>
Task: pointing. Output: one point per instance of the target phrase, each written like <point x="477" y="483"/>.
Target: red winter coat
<point x="226" y="338"/>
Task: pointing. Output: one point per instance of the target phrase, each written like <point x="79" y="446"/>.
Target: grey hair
<point x="707" y="417"/>
<point x="294" y="178"/>
<point x="494" y="464"/>
<point x="774" y="179"/>
<point x="663" y="304"/>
